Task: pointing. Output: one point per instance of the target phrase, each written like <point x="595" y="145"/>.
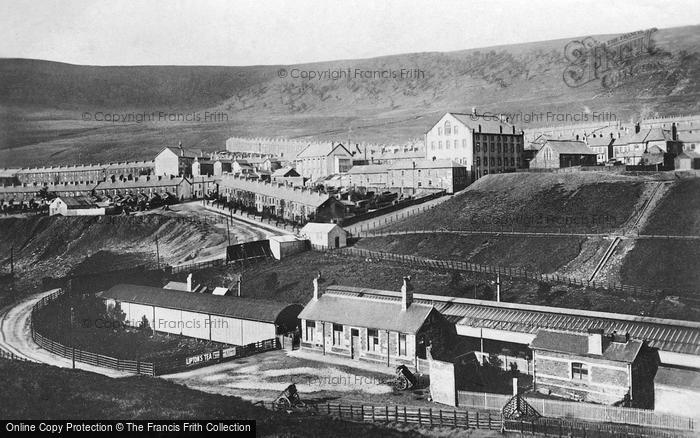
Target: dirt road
<point x="16" y="337"/>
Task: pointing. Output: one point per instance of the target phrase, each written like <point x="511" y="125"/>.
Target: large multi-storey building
<point x="320" y="160"/>
<point x="483" y="143"/>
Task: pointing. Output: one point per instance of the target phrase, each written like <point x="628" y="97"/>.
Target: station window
<point x="310" y="329"/>
<point x="402" y="344"/>
<point x="337" y="334"/>
<point x="372" y="340"/>
<point x="579" y="371"/>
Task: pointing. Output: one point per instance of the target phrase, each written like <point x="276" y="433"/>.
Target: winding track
<point x="16" y="337"/>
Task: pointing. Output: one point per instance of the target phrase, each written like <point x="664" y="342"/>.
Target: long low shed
<point x="678" y="342"/>
<point x="225" y="319"/>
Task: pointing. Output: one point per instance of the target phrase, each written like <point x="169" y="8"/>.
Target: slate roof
<point x="368" y="168"/>
<point x="285" y="171"/>
<point x="688" y="154"/>
<point x="679" y="378"/>
<point x="665" y="334"/>
<point x="576" y="344"/>
<point x="489" y="125"/>
<point x="320" y="150"/>
<point x="645" y="136"/>
<point x="367" y="312"/>
<point x="599" y="141"/>
<point x="235" y="307"/>
<point x="571" y="147"/>
<point x="689" y="137"/>
<point x="315" y="227"/>
<point x="140" y="182"/>
<point x="281" y="191"/>
<point x="77" y="202"/>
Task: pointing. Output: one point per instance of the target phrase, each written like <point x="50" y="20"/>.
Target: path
<point x="16" y="337"/>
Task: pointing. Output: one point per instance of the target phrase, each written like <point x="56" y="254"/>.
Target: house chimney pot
<point x="595" y="341"/>
<point x="406" y="293"/>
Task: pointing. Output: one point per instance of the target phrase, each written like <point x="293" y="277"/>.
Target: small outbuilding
<point x="687" y="160"/>
<point x="325" y="235"/>
<point x="75" y="206"/>
<point x="227" y="319"/>
<point x="285" y="245"/>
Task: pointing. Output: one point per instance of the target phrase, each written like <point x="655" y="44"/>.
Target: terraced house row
<point x="299" y="204"/>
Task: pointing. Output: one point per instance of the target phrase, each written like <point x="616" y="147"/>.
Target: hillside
<point x="583" y="202"/>
<point x="53" y="246"/>
<point x="44" y="101"/>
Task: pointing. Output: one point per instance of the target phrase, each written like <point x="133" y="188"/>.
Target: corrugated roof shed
<point x="664" y="334"/>
<point x="577" y="345"/>
<point x="233" y="307"/>
<point x="367" y="312"/>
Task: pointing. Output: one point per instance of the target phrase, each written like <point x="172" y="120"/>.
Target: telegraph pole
<point x="157" y="253"/>
<point x="12" y="260"/>
<point x="228" y="233"/>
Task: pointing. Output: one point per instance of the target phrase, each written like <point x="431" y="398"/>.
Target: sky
<point x="242" y="32"/>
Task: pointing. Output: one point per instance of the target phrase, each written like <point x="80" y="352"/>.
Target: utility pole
<point x="157" y="253"/>
<point x="12" y="260"/>
<point x="228" y="233"/>
<point x="72" y="340"/>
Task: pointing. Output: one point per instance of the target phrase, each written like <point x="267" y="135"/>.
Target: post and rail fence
<point x="487" y="419"/>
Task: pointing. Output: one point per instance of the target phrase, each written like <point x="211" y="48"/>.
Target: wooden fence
<point x="78" y="355"/>
<point x="456" y="265"/>
<point x="412" y="415"/>
<point x="557" y="427"/>
<point x="583" y="411"/>
<point x="195" y="266"/>
<point x="165" y="366"/>
<point x="477" y="419"/>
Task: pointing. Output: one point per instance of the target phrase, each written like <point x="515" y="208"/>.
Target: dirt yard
<point x="264" y="376"/>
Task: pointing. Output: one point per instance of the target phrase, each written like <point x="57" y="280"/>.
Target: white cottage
<point x="74" y="206"/>
<point x="325" y="235"/>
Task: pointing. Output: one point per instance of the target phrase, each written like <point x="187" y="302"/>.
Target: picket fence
<point x="583" y="411"/>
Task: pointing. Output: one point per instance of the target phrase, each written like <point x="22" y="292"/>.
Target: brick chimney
<point x="595" y="341"/>
<point x="406" y="293"/>
<point x="317" y="294"/>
